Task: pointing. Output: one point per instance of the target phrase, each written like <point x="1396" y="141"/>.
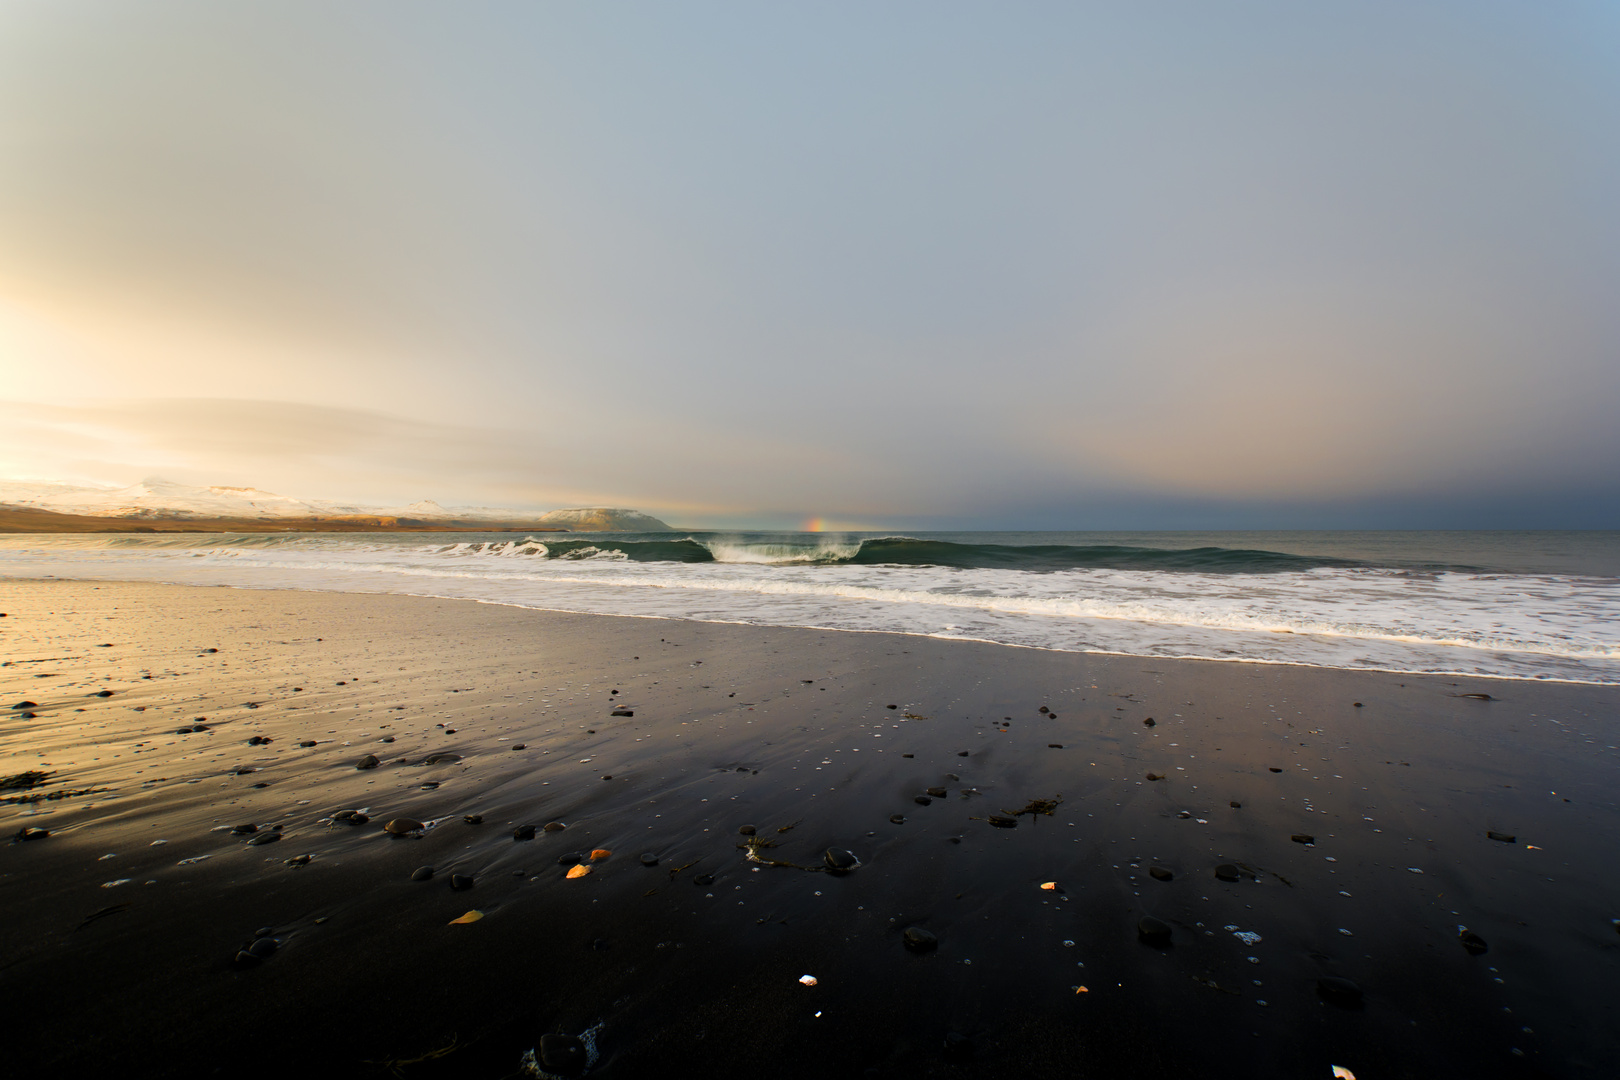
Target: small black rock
<point x="1338" y="990"/>
<point x="33" y="833"/>
<point x="555" y="826"/>
<point x="922" y="800"/>
<point x="839" y="859"/>
<point x="937" y="792"/>
<point x="104" y="693"/>
<point x="649" y="859"/>
<point x="1152" y="930"/>
<point x="1275" y="769"/>
<point x="520" y="746"/>
<point x="523" y="832"/>
<point x="1159" y="873"/>
<point x="26" y="705"/>
<point x="1473" y="942"/>
<point x="422" y="873"/>
<point x="562" y="1054"/>
<point x="745" y="830"/>
<point x="1506" y="838"/>
<point x="307" y="743"/>
<point x="902" y="755"/>
<point x="703" y="880"/>
<point x="244" y="830"/>
<point x="460" y="882"/>
<point x="572" y="858"/>
<point x="919" y="940"/>
<point x="897" y="819"/>
<point x="474" y="819"/>
<point x="368" y="762"/>
<point x="1150" y="722"/>
<point x="1303" y="838"/>
<point x="1054" y="746"/>
<point x="622" y="712"/>
<point x="264" y="838"/>
<point x="263" y="945"/>
<point x="1228" y="872"/>
<point x="961" y="753"/>
<point x="1234" y="804"/>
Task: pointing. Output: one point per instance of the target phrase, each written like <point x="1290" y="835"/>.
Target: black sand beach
<point x="122" y="927"/>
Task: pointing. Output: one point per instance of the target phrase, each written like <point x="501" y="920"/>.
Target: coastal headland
<point x="26" y="520"/>
<point x="988" y="861"/>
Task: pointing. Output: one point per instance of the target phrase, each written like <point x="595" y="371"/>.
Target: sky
<point x="1011" y="265"/>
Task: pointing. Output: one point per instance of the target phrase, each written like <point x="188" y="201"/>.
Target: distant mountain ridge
<point x="164" y="500"/>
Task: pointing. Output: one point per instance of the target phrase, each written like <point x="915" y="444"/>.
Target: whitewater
<point x="1508" y="605"/>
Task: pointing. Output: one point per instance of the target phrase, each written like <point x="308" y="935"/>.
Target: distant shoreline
<point x="19" y="520"/>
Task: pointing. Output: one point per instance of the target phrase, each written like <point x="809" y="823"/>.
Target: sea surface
<point x="1522" y="605"/>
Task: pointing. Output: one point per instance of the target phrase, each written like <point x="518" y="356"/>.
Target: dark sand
<point x="137" y="979"/>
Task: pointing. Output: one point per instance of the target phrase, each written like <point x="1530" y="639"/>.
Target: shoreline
<point x="369" y="972"/>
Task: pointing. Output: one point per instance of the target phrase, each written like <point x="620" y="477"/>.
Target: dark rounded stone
<point x="264" y="946"/>
<point x="1234" y="804"/>
<point x="265" y="838"/>
<point x="243" y="830"/>
<point x="649" y="859"/>
<point x="368" y="762"/>
<point x="937" y="792"/>
<point x="1303" y="838"/>
<point x="474" y="819"/>
<point x="1184" y="815"/>
<point x="554" y="826"/>
<point x="245" y="959"/>
<point x="952" y="777"/>
<point x="572" y="858"/>
<point x="460" y="882"/>
<point x="1228" y="872"/>
<point x="1357" y="704"/>
<point x="523" y="832"/>
<point x="1338" y="990"/>
<point x="33" y="833"/>
<point x="922" y="800"/>
<point x="403" y="826"/>
<point x="1044" y="709"/>
<point x="430" y="785"/>
<point x="961" y="753"/>
<point x="1506" y="838"/>
<point x="387" y="738"/>
<point x="1275" y="769"/>
<point x="1473" y="942"/>
<point x="422" y="873"/>
<point x="897" y="819"/>
<point x="1152" y="931"/>
<point x="919" y="940"/>
<point x="1150" y="722"/>
<point x="26" y="705"/>
<point x="520" y="746"/>
<point x="1159" y="873"/>
<point x="307" y="743"/>
<point x="703" y="881"/>
<point x="1054" y="746"/>
<point x="893" y="706"/>
<point x="104" y="693"/>
<point x="745" y="830"/>
<point x="351" y="817"/>
<point x="902" y="755"/>
<point x="442" y="759"/>
<point x="839" y="859"/>
<point x="562" y="1054"/>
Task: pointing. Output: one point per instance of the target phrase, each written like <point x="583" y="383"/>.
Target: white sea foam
<point x="1512" y="625"/>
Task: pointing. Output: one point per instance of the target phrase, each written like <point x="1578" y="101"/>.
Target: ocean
<point x="1516" y="605"/>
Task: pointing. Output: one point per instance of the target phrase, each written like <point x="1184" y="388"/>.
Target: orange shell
<point x="578" y="871"/>
<point x="599" y="854"/>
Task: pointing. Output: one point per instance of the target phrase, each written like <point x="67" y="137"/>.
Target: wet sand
<point x="121" y="926"/>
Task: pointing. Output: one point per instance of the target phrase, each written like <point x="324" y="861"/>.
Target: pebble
<point x="520" y="746"/>
<point x="524" y="832"/>
<point x="104" y="693"/>
<point x="1054" y="746"/>
<point x="919" y="940"/>
<point x="622" y="712"/>
<point x="351" y="817"/>
<point x="937" y="792"/>
<point x="1150" y="722"/>
<point x="1274" y="769"/>
<point x="430" y="785"/>
<point x="1303" y="838"/>
<point x="649" y="859"/>
<point x="1183" y="814"/>
<point x="572" y="858"/>
<point x="1473" y="942"/>
<point x="555" y="826"/>
<point x="26" y="705"/>
<point x="1152" y="930"/>
<point x="745" y="830"/>
<point x="897" y="819"/>
<point x="1154" y="776"/>
<point x="368" y="762"/>
<point x="422" y="873"/>
<point x="1338" y="990"/>
<point x="243" y="830"/>
<point x="840" y="859"/>
<point x="460" y="882"/>
<point x="922" y="800"/>
<point x="33" y="834"/>
<point x="1506" y="838"/>
<point x="1228" y="872"/>
<point x="442" y="759"/>
<point x="403" y="826"/>
<point x="902" y="755"/>
<point x="563" y="1054"/>
<point x="265" y="838"/>
<point x="1234" y="804"/>
<point x="307" y="743"/>
<point x="961" y="753"/>
<point x="1159" y="873"/>
<point x="474" y="819"/>
<point x="258" y="740"/>
<point x="703" y="881"/>
<point x="297" y="860"/>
